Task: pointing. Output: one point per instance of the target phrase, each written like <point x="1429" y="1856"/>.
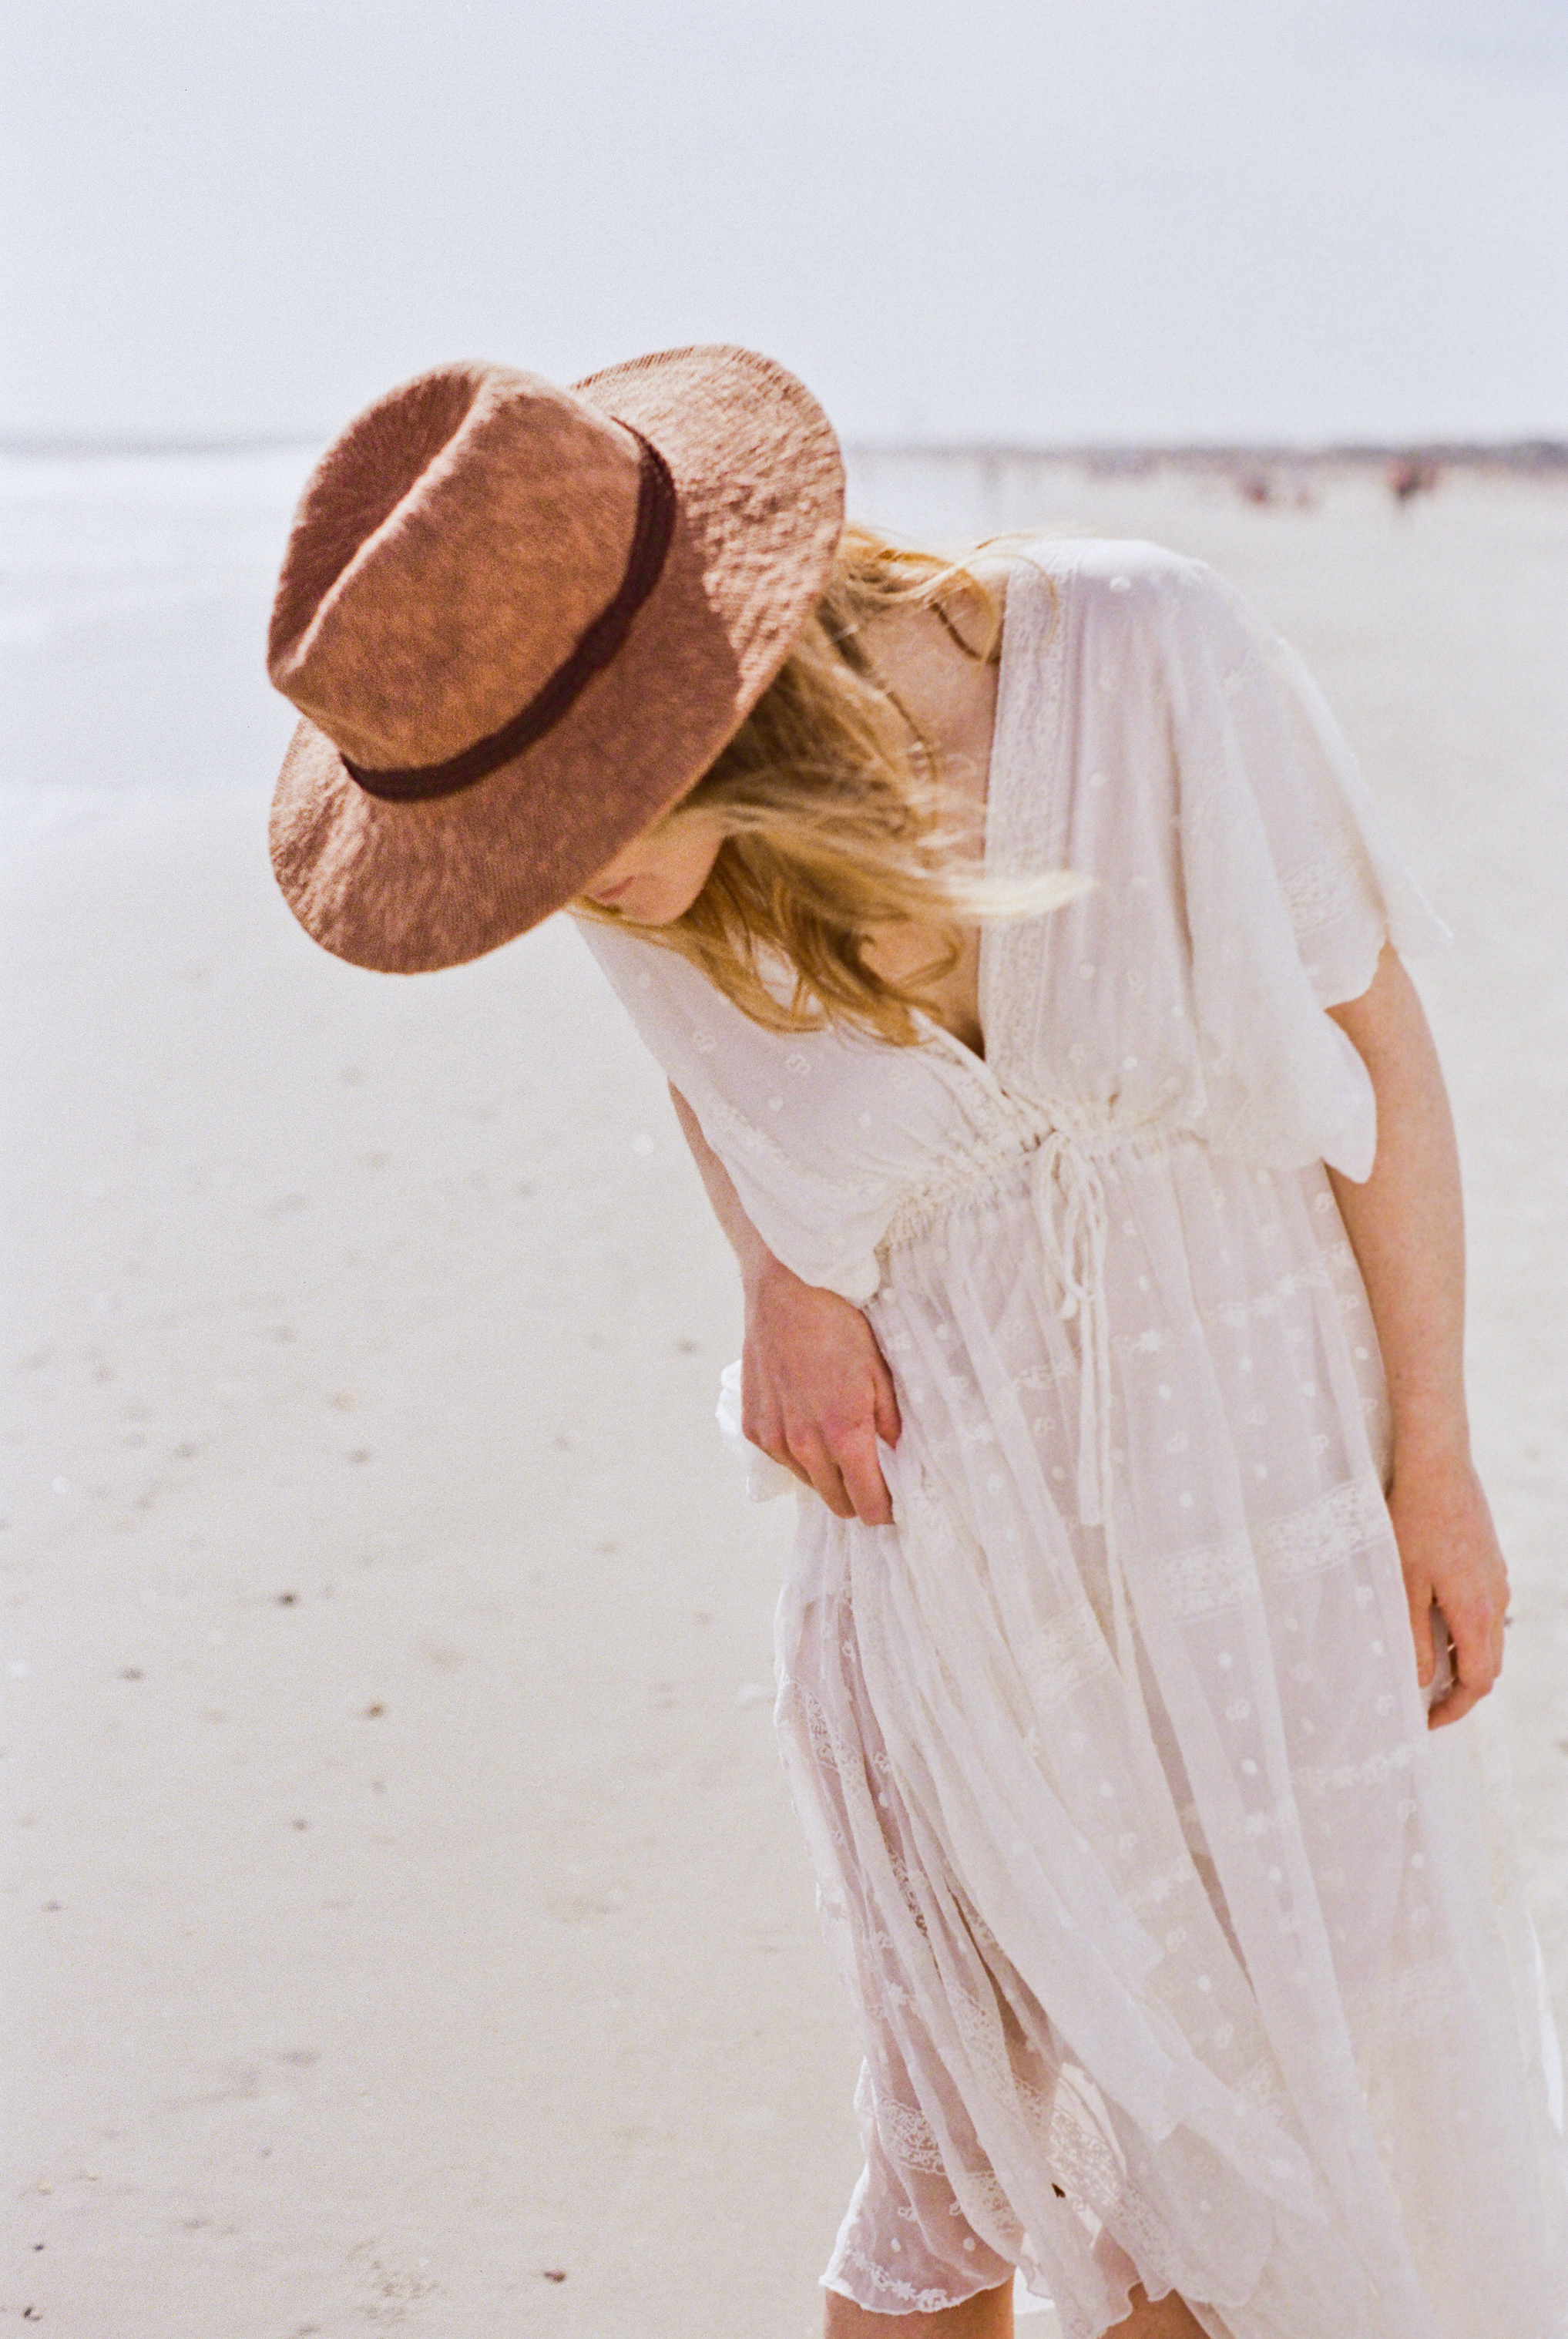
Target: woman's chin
<point x="650" y="909"/>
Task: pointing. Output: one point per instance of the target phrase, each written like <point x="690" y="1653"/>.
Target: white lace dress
<point x="1181" y="1951"/>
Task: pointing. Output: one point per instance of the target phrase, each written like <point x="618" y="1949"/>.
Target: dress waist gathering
<point x="1061" y="1154"/>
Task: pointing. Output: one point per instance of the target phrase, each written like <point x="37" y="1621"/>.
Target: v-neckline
<point x="986" y="955"/>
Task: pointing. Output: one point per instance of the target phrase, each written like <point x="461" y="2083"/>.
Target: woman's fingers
<point x="1454" y="1577"/>
<point x="1476" y="1664"/>
<point x="886" y="1420"/>
<point x="855" y="1453"/>
<point x="761" y="1426"/>
<point x="1421" y="1615"/>
<point x="1476" y="1637"/>
<point x="1454" y="1707"/>
<point x="840" y="1464"/>
<point x="821" y="1471"/>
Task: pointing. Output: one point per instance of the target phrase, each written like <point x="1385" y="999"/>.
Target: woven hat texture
<point x="462" y="561"/>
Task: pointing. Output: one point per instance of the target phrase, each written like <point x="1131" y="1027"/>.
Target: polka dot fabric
<point x="1182" y="1952"/>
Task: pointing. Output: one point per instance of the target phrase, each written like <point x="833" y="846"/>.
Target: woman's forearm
<point x="752" y="1253"/>
<point x="1407" y="1222"/>
<point x="1406" y="1227"/>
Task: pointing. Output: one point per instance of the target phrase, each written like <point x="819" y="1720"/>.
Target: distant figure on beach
<point x="1026" y="957"/>
<point x="1259" y="484"/>
<point x="1409" y="476"/>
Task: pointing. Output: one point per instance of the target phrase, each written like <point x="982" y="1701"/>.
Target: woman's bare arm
<point x="815" y="1390"/>
<point x="1406" y="1227"/>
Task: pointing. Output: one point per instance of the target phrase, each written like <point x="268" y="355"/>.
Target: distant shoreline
<point x="1523" y="455"/>
<point x="1529" y="456"/>
<point x="86" y="447"/>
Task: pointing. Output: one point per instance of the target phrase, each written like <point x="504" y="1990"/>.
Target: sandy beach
<point x="406" y="1926"/>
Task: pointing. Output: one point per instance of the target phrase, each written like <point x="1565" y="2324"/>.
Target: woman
<point x="1100" y="1239"/>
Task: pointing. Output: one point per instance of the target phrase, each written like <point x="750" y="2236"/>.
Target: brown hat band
<point x="595" y="649"/>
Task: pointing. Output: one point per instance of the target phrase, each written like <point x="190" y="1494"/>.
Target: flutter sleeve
<point x="1291" y="885"/>
<point x="823" y="1219"/>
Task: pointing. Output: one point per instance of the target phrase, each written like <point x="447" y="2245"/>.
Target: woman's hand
<point x="1449" y="1551"/>
<point x="816" y="1391"/>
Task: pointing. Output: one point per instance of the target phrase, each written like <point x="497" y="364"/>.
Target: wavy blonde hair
<point x="833" y="818"/>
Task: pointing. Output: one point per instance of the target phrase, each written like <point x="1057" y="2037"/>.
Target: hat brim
<point x="411" y="887"/>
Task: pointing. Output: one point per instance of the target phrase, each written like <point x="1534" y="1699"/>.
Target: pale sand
<point x="404" y="1899"/>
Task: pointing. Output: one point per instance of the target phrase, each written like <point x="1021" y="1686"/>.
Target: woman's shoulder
<point x="1125" y="591"/>
<point x="1112" y="567"/>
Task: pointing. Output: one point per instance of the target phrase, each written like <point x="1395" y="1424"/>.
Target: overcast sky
<point x="1014" y="220"/>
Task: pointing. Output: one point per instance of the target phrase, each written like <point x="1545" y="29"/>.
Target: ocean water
<point x="134" y="596"/>
<point x="134" y="589"/>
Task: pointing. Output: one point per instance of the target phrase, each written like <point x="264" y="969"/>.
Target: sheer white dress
<point x="1181" y="1951"/>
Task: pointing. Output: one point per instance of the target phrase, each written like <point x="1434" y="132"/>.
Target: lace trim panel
<point x="832" y="1750"/>
<point x="907" y="2136"/>
<point x="1412" y="2004"/>
<point x="919" y="2302"/>
<point x="1345" y="1520"/>
<point x="1062" y="1656"/>
<point x="1020" y="823"/>
<point x="1214" y="1577"/>
<point x="1318" y="893"/>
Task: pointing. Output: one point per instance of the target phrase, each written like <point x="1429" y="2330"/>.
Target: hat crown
<point x="520" y="622"/>
<point x="449" y="551"/>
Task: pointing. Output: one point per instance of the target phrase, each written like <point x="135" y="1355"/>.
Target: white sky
<point x="1027" y="220"/>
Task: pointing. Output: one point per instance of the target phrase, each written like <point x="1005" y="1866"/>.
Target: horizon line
<point x="1537" y="450"/>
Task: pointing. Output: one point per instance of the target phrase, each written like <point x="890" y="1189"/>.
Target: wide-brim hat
<point x="519" y="622"/>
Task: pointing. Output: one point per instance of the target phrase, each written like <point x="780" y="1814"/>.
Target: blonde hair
<point x="833" y="819"/>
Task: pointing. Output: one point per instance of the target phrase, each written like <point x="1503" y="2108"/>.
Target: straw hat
<point x="519" y="622"/>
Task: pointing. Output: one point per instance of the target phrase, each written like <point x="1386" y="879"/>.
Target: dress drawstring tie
<point x="1070" y="1206"/>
